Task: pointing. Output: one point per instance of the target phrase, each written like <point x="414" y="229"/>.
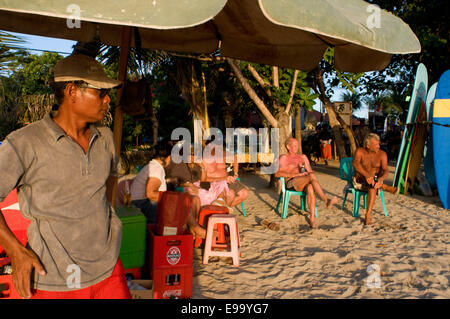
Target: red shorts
<point x="113" y="287"/>
<point x="325" y="151"/>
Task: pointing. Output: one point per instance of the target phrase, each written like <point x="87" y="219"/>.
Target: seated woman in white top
<point x="151" y="180"/>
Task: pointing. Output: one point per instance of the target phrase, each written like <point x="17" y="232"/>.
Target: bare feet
<point x="332" y="202"/>
<point x="368" y="222"/>
<point x="314" y="224"/>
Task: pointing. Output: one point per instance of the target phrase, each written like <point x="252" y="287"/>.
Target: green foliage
<point x="429" y="22"/>
<point x="389" y="101"/>
<point x="306" y="98"/>
<point x="29" y="74"/>
<point x="302" y="93"/>
<point x="33" y="72"/>
<point x="11" y="109"/>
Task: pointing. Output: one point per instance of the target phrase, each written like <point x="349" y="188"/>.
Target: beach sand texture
<point x="410" y="247"/>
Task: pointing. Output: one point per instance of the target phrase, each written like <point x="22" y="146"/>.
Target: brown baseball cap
<point x="80" y="67"/>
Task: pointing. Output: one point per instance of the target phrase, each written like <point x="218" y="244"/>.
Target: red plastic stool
<point x="204" y="213"/>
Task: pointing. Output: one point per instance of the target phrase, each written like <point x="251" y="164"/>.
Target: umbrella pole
<point x="118" y="113"/>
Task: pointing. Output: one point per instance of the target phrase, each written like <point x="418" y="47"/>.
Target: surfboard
<point x="441" y="138"/>
<point x="405" y="158"/>
<point x="428" y="148"/>
<point x="416" y="153"/>
<point x="418" y="94"/>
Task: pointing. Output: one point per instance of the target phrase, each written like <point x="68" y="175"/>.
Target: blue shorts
<point x="148" y="208"/>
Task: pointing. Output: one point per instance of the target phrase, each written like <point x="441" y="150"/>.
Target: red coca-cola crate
<point x="14" y="219"/>
<point x="170" y="251"/>
<point x="173" y="282"/>
<point x="7" y="290"/>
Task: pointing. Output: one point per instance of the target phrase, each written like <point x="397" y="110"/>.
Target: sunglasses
<point x="103" y="92"/>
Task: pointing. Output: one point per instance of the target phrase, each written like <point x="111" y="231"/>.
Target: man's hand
<point x="23" y="261"/>
<point x="191" y="188"/>
<point x="370" y="180"/>
<point x="378" y="184"/>
<point x="302" y="174"/>
<point x="231" y="179"/>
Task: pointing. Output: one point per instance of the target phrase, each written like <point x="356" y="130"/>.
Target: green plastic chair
<point x="286" y="194"/>
<point x="346" y="172"/>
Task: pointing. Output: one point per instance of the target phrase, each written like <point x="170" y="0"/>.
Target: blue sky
<point x="64" y="47"/>
<point x="61" y="46"/>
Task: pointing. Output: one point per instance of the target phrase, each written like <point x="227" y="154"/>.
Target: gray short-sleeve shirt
<point x="62" y="191"/>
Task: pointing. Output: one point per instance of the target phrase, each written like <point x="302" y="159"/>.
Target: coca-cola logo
<point x="173" y="255"/>
<point x="172" y="293"/>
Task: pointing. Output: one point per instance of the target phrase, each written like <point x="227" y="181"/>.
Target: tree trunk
<point x="191" y="90"/>
<point x="298" y="127"/>
<point x="252" y="94"/>
<point x="284" y="134"/>
<point x="334" y="123"/>
<point x="228" y="109"/>
<point x="155" y="126"/>
<point x="291" y="95"/>
<point x="336" y="128"/>
<point x="349" y="133"/>
<point x="282" y="120"/>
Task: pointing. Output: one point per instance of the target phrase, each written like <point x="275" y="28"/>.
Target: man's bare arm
<point x="384" y="167"/>
<point x="152" y="188"/>
<point x="203" y="173"/>
<point x="111" y="187"/>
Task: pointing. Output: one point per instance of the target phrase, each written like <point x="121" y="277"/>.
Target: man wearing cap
<point x="64" y="167"/>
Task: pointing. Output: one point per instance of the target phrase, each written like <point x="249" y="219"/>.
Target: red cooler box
<point x="172" y="213"/>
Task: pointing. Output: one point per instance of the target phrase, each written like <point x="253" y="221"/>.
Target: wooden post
<point x="335" y="156"/>
<point x="118" y="114"/>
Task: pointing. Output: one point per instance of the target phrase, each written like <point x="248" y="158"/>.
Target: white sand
<point x="410" y="246"/>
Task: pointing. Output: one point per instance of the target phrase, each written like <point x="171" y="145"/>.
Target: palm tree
<point x="8" y="43"/>
<point x="356" y="99"/>
<point x="389" y="102"/>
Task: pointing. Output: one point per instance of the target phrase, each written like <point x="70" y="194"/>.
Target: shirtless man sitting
<point x="216" y="171"/>
<point x="299" y="175"/>
<point x="371" y="170"/>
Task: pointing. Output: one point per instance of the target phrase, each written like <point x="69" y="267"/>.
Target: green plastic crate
<point x="132" y="249"/>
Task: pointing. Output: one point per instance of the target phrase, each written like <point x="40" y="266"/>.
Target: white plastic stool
<point x="210" y="243"/>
